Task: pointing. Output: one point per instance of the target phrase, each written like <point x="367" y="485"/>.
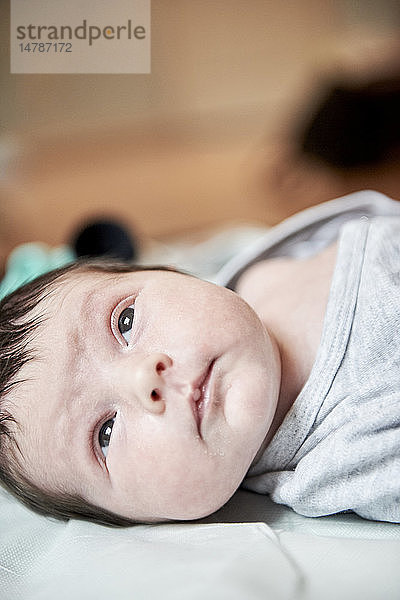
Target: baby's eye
<point x="105" y="435"/>
<point x="125" y="322"/>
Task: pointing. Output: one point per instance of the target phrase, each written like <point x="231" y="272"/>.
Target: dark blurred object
<point x="106" y="239"/>
<point x="355" y="125"/>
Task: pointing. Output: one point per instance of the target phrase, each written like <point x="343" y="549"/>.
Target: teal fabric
<point x="31" y="260"/>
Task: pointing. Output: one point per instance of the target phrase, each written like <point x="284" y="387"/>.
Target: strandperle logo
<point x="80" y="36"/>
<point x="84" y="31"/>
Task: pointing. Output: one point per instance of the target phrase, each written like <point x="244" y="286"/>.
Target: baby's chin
<point x="191" y="508"/>
<point x="206" y="502"/>
<point x="200" y="512"/>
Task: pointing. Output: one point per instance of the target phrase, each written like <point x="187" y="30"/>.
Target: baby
<point x="143" y="395"/>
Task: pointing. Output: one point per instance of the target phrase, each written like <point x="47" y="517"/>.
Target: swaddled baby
<point x="146" y="395"/>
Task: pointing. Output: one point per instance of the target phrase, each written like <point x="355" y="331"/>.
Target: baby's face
<point x="153" y="392"/>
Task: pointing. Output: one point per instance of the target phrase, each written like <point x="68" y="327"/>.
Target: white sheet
<point x="41" y="559"/>
<point x="342" y="556"/>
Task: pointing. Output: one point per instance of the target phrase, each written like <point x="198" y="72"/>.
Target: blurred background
<point x="253" y="110"/>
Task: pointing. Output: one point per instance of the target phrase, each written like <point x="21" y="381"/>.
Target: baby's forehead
<point x="71" y="285"/>
<point x="91" y="280"/>
<point x="56" y="308"/>
<point x="44" y="375"/>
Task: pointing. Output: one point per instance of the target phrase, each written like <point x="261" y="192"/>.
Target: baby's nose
<point x="149" y="381"/>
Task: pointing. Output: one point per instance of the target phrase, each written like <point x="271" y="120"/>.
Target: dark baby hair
<point x="17" y="332"/>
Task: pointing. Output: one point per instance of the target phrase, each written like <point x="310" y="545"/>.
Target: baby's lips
<point x="202" y="395"/>
<point x="198" y="393"/>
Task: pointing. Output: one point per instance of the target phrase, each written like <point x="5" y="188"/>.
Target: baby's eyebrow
<point x="75" y="343"/>
<point x="78" y="331"/>
<point x="72" y="419"/>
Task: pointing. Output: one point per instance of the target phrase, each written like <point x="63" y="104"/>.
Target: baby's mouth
<point x="201" y="395"/>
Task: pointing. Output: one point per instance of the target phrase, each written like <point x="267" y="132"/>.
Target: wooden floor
<point x="165" y="187"/>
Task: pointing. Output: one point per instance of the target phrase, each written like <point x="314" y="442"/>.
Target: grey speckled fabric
<point x="338" y="448"/>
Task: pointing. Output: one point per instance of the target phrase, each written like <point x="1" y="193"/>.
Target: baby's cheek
<point x="178" y="484"/>
<point x="208" y="483"/>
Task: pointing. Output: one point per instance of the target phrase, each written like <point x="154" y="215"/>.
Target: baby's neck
<point x="290" y="296"/>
